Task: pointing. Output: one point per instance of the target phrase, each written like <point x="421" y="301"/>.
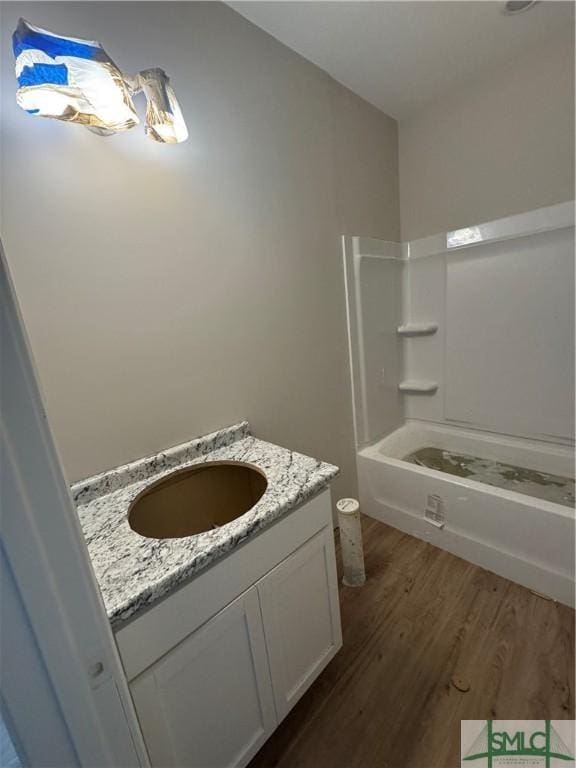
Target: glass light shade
<point x="75" y="80"/>
<point x="164" y="119"/>
<point x="70" y="79"/>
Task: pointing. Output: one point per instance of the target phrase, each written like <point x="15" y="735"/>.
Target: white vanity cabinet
<point x="217" y="665"/>
<point x="209" y="701"/>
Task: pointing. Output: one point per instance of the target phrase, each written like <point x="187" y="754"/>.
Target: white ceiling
<point x="402" y="55"/>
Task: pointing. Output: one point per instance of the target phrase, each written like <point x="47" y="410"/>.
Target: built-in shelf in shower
<point x="418" y="387"/>
<point x="417" y="329"/>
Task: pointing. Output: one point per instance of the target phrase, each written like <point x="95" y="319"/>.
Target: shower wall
<point x="502" y="356"/>
<point x="374" y="285"/>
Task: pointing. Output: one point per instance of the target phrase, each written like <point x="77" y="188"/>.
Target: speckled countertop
<point x="134" y="571"/>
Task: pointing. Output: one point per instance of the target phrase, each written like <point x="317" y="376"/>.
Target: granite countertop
<point x="134" y="571"/>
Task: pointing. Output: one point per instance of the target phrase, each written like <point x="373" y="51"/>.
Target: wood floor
<point x="423" y="617"/>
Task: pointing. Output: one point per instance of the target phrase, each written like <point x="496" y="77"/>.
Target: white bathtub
<point x="525" y="539"/>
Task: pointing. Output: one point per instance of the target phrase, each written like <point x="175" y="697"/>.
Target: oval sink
<point x="196" y="499"/>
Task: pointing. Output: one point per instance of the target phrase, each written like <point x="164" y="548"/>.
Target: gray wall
<point x="501" y="145"/>
<point x="172" y="290"/>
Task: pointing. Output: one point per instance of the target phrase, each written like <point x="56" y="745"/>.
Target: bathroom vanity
<point x="224" y="622"/>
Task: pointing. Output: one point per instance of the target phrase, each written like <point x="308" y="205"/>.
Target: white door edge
<point x="47" y="554"/>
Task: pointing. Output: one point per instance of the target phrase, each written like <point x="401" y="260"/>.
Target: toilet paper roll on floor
<point x="351" y="542"/>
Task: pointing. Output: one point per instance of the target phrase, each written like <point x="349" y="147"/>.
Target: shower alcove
<point x="462" y="365"/>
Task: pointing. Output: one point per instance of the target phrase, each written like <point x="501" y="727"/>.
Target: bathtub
<point x="525" y="539"/>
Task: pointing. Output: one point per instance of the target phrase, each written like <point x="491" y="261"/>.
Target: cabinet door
<point x="301" y="614"/>
<point x="208" y="703"/>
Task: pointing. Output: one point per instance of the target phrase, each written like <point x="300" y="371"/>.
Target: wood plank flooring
<point x="386" y="700"/>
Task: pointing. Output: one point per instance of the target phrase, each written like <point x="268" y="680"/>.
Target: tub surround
<point x="488" y="395"/>
<point x="133" y="571"/>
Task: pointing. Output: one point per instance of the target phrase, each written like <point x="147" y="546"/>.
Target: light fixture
<point x="76" y="81"/>
<point x="164" y="120"/>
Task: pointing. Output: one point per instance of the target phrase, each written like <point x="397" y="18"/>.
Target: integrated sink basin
<point x="196" y="499"/>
